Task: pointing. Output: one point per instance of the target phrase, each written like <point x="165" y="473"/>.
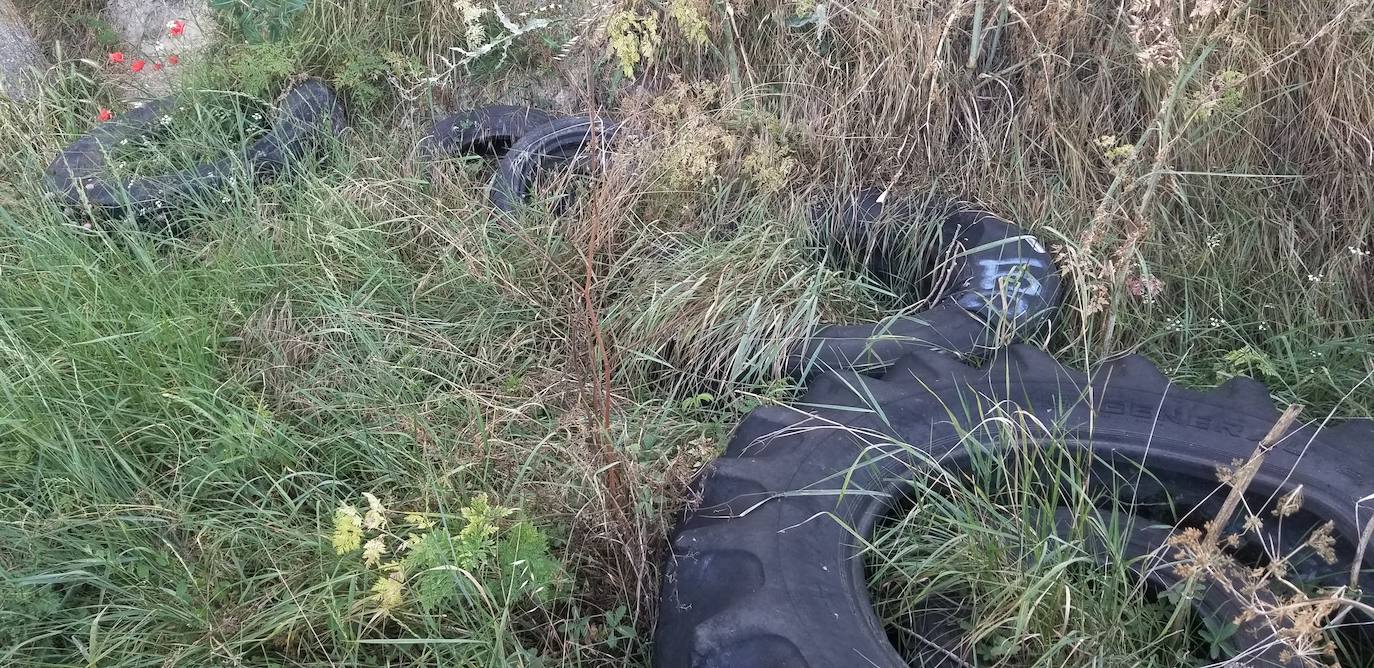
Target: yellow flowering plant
<point x="427" y="562"/>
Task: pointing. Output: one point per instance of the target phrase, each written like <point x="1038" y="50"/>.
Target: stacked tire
<point x="765" y="567"/>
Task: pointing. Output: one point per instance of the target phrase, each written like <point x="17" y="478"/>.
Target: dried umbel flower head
<point x="1152" y="30"/>
<point x="1289" y="503"/>
<point x="1323" y="543"/>
<point x="1145" y="288"/>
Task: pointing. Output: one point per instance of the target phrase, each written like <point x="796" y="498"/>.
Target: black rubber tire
<point x="759" y="576"/>
<point x="485" y="131"/>
<point x="571" y="138"/>
<point x="79" y="178"/>
<point x="997" y="277"/>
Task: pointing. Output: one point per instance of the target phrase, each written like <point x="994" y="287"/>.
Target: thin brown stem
<point x="1246" y="474"/>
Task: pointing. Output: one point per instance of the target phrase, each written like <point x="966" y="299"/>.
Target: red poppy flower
<point x="105" y="115"/>
<point x="117" y="57"/>
<point x="157" y="66"/>
<point x="173" y="59"/>
<point x="176" y="28"/>
<point x="138" y="66"/>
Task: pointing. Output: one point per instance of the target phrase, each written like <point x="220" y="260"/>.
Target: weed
<point x="634" y="40"/>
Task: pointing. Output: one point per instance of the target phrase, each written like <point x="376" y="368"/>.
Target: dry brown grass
<point x="1263" y="104"/>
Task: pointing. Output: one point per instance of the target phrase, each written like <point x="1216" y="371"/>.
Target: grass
<point x="985" y="548"/>
<point x="184" y="414"/>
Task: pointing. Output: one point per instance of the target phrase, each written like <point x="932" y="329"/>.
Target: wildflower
<point x="173" y="59"/>
<point x="376" y="512"/>
<point x="167" y="119"/>
<point x="105" y="115"/>
<point x="86" y="225"/>
<point x="1357" y="251"/>
<point x="1314" y="278"/>
<point x="1145" y="288"/>
<point x="1322" y="542"/>
<point x="1119" y="152"/>
<point x="388" y="594"/>
<point x="1277" y="569"/>
<point x="176" y="28"/>
<point x="1112" y="148"/>
<point x="138" y="66"/>
<point x="373" y="551"/>
<point x="157" y="67"/>
<point x="1227" y="474"/>
<point x="117" y="58"/>
<point x="410" y="542"/>
<point x="348" y="529"/>
<point x="1289" y="503"/>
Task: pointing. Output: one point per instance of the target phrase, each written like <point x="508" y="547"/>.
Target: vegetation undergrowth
<point x="1020" y="556"/>
<point x="194" y="418"/>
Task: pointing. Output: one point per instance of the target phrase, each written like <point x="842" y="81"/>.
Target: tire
<point x="995" y="279"/>
<point x="79" y="176"/>
<point x="485" y="131"/>
<point x="567" y="139"/>
<point x="759" y="577"/>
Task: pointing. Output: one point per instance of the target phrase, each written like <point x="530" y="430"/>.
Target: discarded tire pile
<point x="526" y="140"/>
<point x="764" y="570"/>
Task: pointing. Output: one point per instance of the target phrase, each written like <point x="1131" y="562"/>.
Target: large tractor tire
<point x="766" y="569"/>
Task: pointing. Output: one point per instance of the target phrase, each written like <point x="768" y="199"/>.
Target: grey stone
<point x="144" y="26"/>
<point x="20" y="57"/>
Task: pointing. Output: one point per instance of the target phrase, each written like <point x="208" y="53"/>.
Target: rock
<point x="145" y="26"/>
<point x="20" y="57"/>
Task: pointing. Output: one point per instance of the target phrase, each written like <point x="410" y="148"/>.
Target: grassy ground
<point x="185" y="414"/>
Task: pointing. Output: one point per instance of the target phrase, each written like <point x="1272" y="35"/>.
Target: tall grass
<point x="1016" y="558"/>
